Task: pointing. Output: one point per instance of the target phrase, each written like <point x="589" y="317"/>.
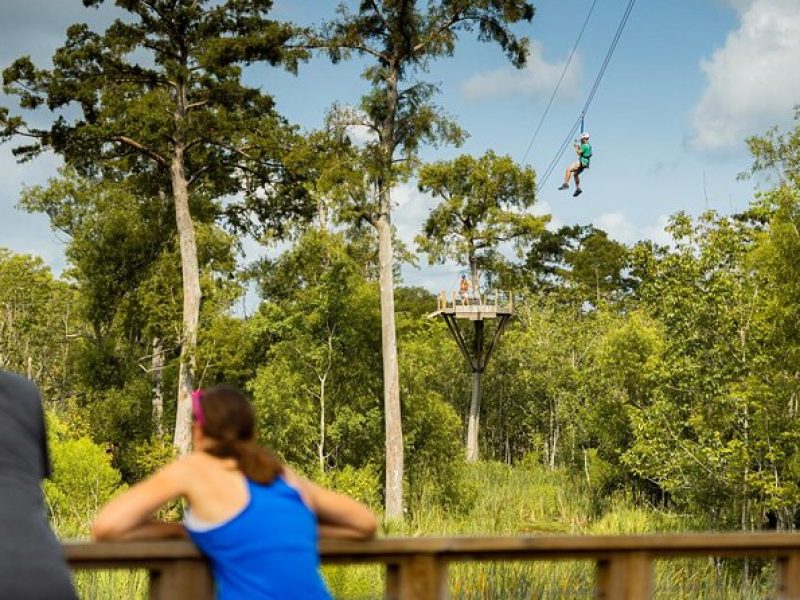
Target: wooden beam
<point x="462" y="345"/>
<point x="625" y="577"/>
<point x="788" y="579"/>
<point x="421" y="577"/>
<point x="153" y="554"/>
<point x="182" y="579"/>
<point x="417" y="567"/>
<point x="498" y="333"/>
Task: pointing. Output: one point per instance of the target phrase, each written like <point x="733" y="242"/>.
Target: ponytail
<point x="228" y="418"/>
<point x="256" y="463"/>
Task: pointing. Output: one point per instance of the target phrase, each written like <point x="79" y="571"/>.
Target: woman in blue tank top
<point x="256" y="520"/>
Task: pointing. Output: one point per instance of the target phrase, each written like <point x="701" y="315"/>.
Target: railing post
<point x="788" y="579"/>
<point x="625" y="577"/>
<point x="182" y="579"/>
<point x="419" y="577"/>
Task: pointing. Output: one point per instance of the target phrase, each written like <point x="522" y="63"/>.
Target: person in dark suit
<point x="32" y="566"/>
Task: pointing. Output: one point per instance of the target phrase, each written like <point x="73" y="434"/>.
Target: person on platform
<point x="463" y="289"/>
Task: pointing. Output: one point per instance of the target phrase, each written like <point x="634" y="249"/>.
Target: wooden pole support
<point x="419" y="577"/>
<point x="625" y="577"/>
<point x="182" y="579"/>
<point x="788" y="579"/>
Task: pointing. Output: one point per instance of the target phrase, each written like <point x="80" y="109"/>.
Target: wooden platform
<point x="416" y="568"/>
<point x="474" y="312"/>
<point x="478" y="308"/>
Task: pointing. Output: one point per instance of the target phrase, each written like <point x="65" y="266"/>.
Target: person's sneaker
<point x="564" y="186"/>
<point x="578" y="192"/>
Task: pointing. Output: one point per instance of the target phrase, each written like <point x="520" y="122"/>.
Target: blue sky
<point x="689" y="81"/>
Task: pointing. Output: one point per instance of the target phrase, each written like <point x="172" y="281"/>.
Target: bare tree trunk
<point x="473" y="423"/>
<point x="157" y="378"/>
<point x="322" y="210"/>
<point x="475" y="276"/>
<point x="323" y="380"/>
<point x="321" y="445"/>
<point x="554" y="433"/>
<point x="190" y="272"/>
<point x="391" y="376"/>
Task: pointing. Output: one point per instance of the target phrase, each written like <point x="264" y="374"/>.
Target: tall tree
<point x="161" y="99"/>
<point x="401" y="38"/>
<point x="38" y="323"/>
<point x="483" y="204"/>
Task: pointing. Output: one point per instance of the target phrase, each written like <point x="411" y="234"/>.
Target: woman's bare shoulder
<point x="302" y="486"/>
<point x="185" y="466"/>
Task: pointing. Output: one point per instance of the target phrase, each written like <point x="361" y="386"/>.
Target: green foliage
<point x="149" y="456"/>
<point x="637" y="390"/>
<point x="38" y="323"/>
<point x="483" y="204"/>
<point x="779" y="153"/>
<point x="82" y="480"/>
<point x="319" y="320"/>
<point x="147" y="90"/>
<point x="579" y="262"/>
<point x="432" y="376"/>
<point x="362" y="484"/>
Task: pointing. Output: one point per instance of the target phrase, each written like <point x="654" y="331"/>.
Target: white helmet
<point x="584" y="136"/>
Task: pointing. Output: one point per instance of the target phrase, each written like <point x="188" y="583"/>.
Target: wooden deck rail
<point x="417" y="567"/>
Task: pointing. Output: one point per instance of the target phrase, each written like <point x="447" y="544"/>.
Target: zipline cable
<point x="560" y="79"/>
<point x="595" y="86"/>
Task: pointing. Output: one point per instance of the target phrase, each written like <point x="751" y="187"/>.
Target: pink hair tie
<point x="197" y="407"/>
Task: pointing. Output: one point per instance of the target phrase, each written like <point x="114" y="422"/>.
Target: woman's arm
<point x="339" y="516"/>
<point x="155" y="530"/>
<point x="128" y="515"/>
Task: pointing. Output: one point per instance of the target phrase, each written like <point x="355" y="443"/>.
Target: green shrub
<point x="82" y="480"/>
<point x="362" y="484"/>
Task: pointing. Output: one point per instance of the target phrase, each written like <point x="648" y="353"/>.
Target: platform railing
<point x="416" y="568"/>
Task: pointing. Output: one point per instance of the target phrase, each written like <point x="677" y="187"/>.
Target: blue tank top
<point x="267" y="551"/>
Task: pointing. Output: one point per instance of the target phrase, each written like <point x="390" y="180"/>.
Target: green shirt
<point x="586" y="154"/>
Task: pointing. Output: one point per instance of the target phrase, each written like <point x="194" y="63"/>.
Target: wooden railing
<point x="416" y="568"/>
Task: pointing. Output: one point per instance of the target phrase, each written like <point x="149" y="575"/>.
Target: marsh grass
<point x="112" y="584"/>
<point x="529" y="499"/>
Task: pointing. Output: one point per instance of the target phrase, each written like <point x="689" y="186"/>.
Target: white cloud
<point x="543" y="208"/>
<point x="619" y="227"/>
<point x="658" y="233"/>
<point x="411" y="208"/>
<point x="538" y="78"/>
<point x="754" y="78"/>
<point x="361" y="134"/>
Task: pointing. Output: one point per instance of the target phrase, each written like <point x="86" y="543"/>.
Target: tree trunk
<point x="391" y="377"/>
<point x="321" y="445"/>
<point x="473" y="424"/>
<point x="474" y="418"/>
<point x="554" y="433"/>
<point x="190" y="272"/>
<point x="157" y="379"/>
<point x="475" y="276"/>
